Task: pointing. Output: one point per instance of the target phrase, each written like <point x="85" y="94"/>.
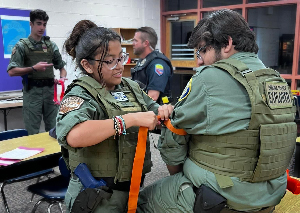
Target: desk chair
<point x="52" y="190"/>
<point x="10" y="134"/>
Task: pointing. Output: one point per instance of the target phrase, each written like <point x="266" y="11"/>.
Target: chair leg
<point x="36" y="205"/>
<point x="3" y="197"/>
<point x="61" y="207"/>
<point x="49" y="207"/>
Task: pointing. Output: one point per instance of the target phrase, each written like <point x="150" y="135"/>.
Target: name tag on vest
<point x="278" y="95"/>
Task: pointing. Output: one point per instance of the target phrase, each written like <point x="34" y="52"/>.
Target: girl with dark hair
<point x="101" y="113"/>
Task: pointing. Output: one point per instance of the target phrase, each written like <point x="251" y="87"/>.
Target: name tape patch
<point x="278" y="95"/>
<point x="70" y="104"/>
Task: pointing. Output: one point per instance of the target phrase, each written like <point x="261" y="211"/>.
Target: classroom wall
<point x="64" y="14"/>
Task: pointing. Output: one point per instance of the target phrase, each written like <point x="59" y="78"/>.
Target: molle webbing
<point x="232" y="154"/>
<point x="34" y="56"/>
<point x="264" y="150"/>
<point x="277" y="143"/>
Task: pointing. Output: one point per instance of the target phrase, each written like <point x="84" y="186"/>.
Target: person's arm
<point x="154" y="94"/>
<point x="158" y="74"/>
<point x="87" y="133"/>
<point x="63" y="72"/>
<point x="19" y="71"/>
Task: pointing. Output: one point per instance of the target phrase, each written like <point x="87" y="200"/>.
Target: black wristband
<point x="34" y="70"/>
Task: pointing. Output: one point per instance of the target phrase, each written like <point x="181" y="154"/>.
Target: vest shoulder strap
<point x="133" y="86"/>
<point x="91" y="87"/>
<point x="27" y="43"/>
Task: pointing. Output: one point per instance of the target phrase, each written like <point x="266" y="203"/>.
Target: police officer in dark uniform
<point x="154" y="70"/>
<point x="33" y="58"/>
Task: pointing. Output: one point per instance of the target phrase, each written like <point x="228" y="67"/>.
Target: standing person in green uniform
<point x="101" y="113"/>
<point x="33" y="58"/>
<point x="239" y="120"/>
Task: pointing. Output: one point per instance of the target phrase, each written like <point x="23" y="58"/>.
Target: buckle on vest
<point x="244" y="72"/>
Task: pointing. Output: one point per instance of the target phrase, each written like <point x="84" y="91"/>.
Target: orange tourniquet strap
<point x="168" y="124"/>
<point x="138" y="163"/>
<point x="137" y="170"/>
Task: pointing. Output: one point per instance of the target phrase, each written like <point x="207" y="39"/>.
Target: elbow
<point x="73" y="139"/>
<point x="10" y="73"/>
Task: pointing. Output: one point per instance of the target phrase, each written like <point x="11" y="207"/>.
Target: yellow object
<point x="165" y="100"/>
<point x="295" y="92"/>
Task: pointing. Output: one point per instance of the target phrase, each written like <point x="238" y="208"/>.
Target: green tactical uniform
<point x="86" y="99"/>
<point x="223" y="119"/>
<point x="38" y="87"/>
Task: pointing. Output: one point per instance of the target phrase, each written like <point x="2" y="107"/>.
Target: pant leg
<point x="116" y="204"/>
<point x="171" y="194"/>
<point x="74" y="188"/>
<point x="32" y="109"/>
<point x="49" y="108"/>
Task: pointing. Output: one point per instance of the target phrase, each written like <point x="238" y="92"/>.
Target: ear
<point x="31" y="24"/>
<point x="229" y="47"/>
<point x="147" y="43"/>
<point x="86" y="66"/>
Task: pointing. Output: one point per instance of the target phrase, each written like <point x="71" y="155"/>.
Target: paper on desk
<point x="20" y="153"/>
<point x="7" y="162"/>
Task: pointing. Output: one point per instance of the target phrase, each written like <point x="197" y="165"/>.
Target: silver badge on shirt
<point x="119" y="96"/>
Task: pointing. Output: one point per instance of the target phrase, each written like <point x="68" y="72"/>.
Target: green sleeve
<point x="89" y="110"/>
<point x="174" y="148"/>
<point x="17" y="56"/>
<point x="57" y="59"/>
<point x="192" y="109"/>
<point x="151" y="104"/>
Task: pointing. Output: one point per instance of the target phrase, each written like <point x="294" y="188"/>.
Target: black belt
<point x="120" y="186"/>
<point x="41" y="82"/>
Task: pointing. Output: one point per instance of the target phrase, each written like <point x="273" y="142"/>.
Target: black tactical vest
<point x="138" y="73"/>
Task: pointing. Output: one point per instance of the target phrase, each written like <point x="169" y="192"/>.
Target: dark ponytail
<point x="79" y="29"/>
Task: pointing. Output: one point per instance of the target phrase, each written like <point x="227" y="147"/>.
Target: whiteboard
<point x="14" y="24"/>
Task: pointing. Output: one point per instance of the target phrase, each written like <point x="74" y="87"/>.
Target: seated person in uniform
<point x="98" y="110"/>
<point x="239" y="119"/>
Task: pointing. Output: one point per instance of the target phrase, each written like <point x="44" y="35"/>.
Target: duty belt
<point x="41" y="82"/>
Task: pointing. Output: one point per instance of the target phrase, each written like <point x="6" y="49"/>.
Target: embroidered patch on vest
<point x="44" y="46"/>
<point x="159" y="69"/>
<point x="186" y="90"/>
<point x="70" y="104"/>
<point x="278" y="95"/>
<point x="119" y="96"/>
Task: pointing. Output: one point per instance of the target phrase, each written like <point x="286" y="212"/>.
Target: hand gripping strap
<point x="138" y="163"/>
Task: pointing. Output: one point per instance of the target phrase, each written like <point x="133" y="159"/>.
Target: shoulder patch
<point x="70" y="104"/>
<point x="159" y="69"/>
<point x="186" y="90"/>
<point x="13" y="50"/>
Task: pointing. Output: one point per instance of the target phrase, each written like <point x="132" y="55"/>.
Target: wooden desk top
<point x="290" y="203"/>
<point x="41" y="140"/>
